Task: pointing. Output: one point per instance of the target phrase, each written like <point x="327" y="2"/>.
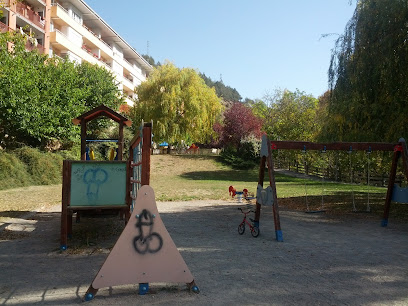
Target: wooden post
<point x="129" y="171"/>
<point x="120" y="141"/>
<point x="66" y="177"/>
<point x="147" y="140"/>
<point x="404" y="157"/>
<point x="260" y="182"/>
<point x="83" y="140"/>
<point x="390" y="189"/>
<point x="275" y="206"/>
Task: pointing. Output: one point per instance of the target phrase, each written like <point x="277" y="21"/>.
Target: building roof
<point x="94" y="20"/>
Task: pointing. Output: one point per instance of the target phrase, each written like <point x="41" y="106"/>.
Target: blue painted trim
<point x="89" y="297"/>
<point x="279" y="236"/>
<point x="143" y="288"/>
<point x="384" y="222"/>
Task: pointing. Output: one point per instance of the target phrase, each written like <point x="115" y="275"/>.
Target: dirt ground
<point x="322" y="261"/>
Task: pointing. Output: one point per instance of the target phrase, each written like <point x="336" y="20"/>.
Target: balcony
<point x="127" y="84"/>
<point x="60" y="16"/>
<point x="128" y="77"/>
<point x="4" y="28"/>
<point x="26" y="12"/>
<point x="59" y="40"/>
<point x="88" y="49"/>
<point x="30" y="46"/>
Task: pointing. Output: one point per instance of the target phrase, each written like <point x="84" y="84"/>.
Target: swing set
<point x="394" y="192"/>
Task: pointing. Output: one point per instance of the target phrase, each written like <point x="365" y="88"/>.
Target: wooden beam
<point x="338" y="146"/>
<point x="120" y="141"/>
<point x="147" y="144"/>
<point x="260" y="182"/>
<point x="390" y="189"/>
<point x="272" y="183"/>
<point x="83" y="140"/>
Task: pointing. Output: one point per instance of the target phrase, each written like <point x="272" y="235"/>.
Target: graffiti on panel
<point x="94" y="178"/>
<point x="147" y="241"/>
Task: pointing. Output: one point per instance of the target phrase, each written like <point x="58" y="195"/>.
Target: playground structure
<point x="90" y="186"/>
<point x="394" y="193"/>
<point x="145" y="251"/>
<point x="267" y="196"/>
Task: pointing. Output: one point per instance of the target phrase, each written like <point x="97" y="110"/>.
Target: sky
<point x="253" y="46"/>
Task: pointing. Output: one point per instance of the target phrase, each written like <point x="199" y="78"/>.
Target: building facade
<point x="71" y="29"/>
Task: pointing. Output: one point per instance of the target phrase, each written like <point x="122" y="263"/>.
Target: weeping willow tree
<point x="181" y="106"/>
<point x="368" y="75"/>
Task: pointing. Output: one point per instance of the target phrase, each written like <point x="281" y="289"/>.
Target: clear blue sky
<point x="256" y="46"/>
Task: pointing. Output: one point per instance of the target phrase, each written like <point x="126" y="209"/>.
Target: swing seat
<point x="314" y="211"/>
<point x="399" y="195"/>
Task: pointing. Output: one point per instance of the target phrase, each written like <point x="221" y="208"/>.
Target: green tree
<point x="368" y="76"/>
<point x="261" y="110"/>
<point x="181" y="106"/>
<point x="39" y="96"/>
<point x="151" y="60"/>
<point x="292" y="116"/>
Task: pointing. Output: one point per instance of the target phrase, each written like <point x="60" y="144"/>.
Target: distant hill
<point x="228" y="93"/>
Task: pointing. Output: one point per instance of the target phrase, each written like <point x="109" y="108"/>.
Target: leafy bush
<point x="45" y="168"/>
<point x="27" y="166"/>
<point x="13" y="173"/>
<point x="245" y="157"/>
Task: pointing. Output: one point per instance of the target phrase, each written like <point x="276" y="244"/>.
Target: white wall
<point x="74" y="36"/>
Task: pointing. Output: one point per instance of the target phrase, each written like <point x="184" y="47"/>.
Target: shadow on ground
<point x="323" y="259"/>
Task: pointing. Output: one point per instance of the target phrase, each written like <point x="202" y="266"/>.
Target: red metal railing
<point x="28" y="13"/>
<point x="4" y="28"/>
<point x="30" y="46"/>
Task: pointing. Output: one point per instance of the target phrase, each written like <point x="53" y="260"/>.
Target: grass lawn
<point x="192" y="177"/>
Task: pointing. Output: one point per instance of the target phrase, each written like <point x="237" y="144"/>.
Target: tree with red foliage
<point x="239" y="123"/>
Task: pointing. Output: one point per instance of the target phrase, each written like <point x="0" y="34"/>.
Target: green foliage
<point x="292" y="116"/>
<point x="179" y="103"/>
<point x="44" y="168"/>
<point x="151" y="60"/>
<point x="40" y="96"/>
<point x="368" y="75"/>
<point x="227" y="93"/>
<point x="244" y="157"/>
<point x="259" y="108"/>
<point x="13" y="173"/>
<point x="27" y="166"/>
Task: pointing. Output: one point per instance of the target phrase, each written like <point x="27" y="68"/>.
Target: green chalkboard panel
<point x="98" y="183"/>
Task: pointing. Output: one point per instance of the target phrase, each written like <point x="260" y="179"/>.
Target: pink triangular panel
<point x="144" y="252"/>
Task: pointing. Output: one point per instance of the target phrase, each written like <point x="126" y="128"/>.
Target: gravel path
<point x="322" y="261"/>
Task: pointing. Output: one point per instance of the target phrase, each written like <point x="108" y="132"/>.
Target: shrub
<point x="44" y="168"/>
<point x="13" y="173"/>
<point x="245" y="157"/>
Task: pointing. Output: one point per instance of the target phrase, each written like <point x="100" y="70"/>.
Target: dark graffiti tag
<point x="94" y="178"/>
<point x="147" y="241"/>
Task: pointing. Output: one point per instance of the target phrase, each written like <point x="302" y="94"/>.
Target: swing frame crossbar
<point x="333" y="146"/>
<point x="399" y="149"/>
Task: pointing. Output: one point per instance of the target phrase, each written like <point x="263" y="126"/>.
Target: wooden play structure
<point x="100" y="186"/>
<point x="99" y="111"/>
<point x="144" y="252"/>
<point x="394" y="192"/>
<point x="267" y="196"/>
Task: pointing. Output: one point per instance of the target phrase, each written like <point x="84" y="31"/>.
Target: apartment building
<point x="71" y="29"/>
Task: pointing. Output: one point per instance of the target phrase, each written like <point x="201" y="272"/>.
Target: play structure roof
<point x="101" y="110"/>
